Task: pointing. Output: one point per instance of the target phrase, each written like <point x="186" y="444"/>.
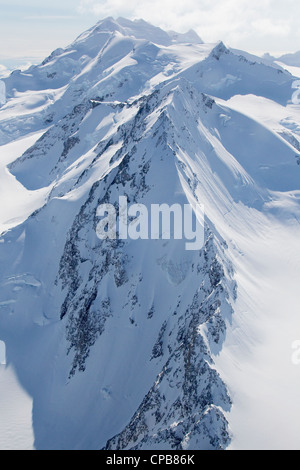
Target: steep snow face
<point x="122" y="344"/>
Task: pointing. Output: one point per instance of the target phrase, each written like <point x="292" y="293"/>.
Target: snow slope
<point x="16" y="413"/>
<point x="257" y="356"/>
<point x="142" y="344"/>
<point x="19" y="203"/>
<point x="2" y="93"/>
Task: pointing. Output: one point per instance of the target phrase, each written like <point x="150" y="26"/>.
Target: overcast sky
<point x="31" y="29"/>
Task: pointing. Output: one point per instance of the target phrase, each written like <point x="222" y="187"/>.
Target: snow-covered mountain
<point x="290" y="62"/>
<point x="290" y="59"/>
<point x="127" y="344"/>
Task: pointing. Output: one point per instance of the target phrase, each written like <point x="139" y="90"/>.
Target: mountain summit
<point x="141" y="344"/>
<point x="140" y="29"/>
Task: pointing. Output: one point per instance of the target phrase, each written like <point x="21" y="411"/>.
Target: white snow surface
<point x="197" y="122"/>
<point x="15" y="410"/>
<point x="17" y="202"/>
<point x="2" y="93"/>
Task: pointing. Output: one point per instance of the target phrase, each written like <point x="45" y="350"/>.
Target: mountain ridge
<point x="120" y="342"/>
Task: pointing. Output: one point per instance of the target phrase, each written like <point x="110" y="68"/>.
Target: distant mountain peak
<point x="141" y="29"/>
<point x="189" y="37"/>
<point x="290" y="59"/>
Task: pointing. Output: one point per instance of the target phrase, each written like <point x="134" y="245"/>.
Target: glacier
<point x="124" y="344"/>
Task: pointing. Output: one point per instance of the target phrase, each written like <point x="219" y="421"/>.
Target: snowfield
<point x="142" y="344"/>
<point x="16" y="413"/>
<point x="19" y="202"/>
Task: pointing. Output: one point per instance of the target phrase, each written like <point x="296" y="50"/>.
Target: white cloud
<point x="237" y="22"/>
<point x="265" y="26"/>
<point x="49" y="17"/>
<point x="4" y="72"/>
<point x="19" y="64"/>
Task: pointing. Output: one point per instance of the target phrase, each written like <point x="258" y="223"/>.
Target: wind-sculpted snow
<point x="117" y="340"/>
